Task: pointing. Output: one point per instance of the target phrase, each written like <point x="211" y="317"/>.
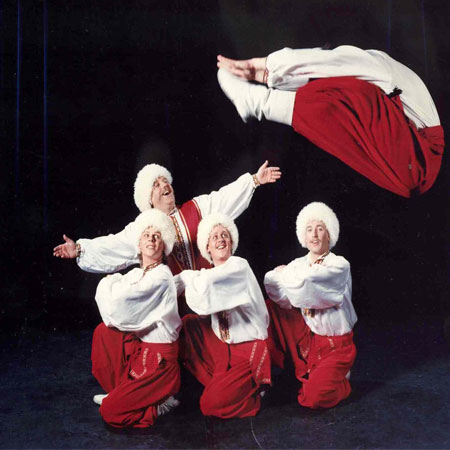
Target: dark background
<point x="93" y="90"/>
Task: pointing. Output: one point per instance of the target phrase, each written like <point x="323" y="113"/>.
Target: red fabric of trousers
<point x="231" y="373"/>
<point x="288" y="335"/>
<point x="329" y="361"/>
<point x="321" y="362"/>
<point x="137" y="376"/>
<point x="358" y="123"/>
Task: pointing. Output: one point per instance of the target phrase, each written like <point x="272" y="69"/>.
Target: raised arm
<point x="234" y="198"/>
<point x="289" y="69"/>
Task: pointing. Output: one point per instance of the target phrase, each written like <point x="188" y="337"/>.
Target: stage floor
<point x="400" y="399"/>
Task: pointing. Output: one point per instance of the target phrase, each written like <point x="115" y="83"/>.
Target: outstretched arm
<point x="234" y="198"/>
<point x="67" y="250"/>
<point x="248" y="69"/>
<point x="105" y="254"/>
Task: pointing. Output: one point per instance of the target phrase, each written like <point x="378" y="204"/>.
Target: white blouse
<point x="323" y="291"/>
<point x="291" y="69"/>
<point x="144" y="304"/>
<point x="115" y="252"/>
<point x="231" y="295"/>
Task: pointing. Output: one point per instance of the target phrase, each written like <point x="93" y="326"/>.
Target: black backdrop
<point x="93" y="90"/>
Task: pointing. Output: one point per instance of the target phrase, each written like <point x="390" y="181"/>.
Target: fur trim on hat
<point x="318" y="211"/>
<point x="204" y="230"/>
<point x="144" y="184"/>
<point x="161" y="222"/>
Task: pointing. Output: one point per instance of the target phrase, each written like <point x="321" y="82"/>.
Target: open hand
<point x="66" y="250"/>
<point x="268" y="174"/>
<point x="247" y="69"/>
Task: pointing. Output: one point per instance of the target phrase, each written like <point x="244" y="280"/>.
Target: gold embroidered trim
<point x="263" y="357"/>
<point x="255" y="344"/>
<point x="144" y="361"/>
<point x="223" y="325"/>
<point x="152" y="266"/>
<point x="309" y="312"/>
<point x="190" y="242"/>
<point x="179" y="250"/>
<point x="331" y="343"/>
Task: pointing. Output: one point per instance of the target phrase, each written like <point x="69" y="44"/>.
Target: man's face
<point x="162" y="196"/>
<point x="219" y="245"/>
<point x="151" y="245"/>
<point x="317" y="237"/>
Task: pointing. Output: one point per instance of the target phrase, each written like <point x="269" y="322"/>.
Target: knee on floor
<point x="318" y="398"/>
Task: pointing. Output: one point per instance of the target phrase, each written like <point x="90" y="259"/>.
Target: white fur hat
<point x="144" y="184"/>
<point x="318" y="211"/>
<point x="204" y="230"/>
<point x="161" y="222"/>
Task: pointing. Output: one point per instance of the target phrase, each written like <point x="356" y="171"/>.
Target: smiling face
<point x="151" y="246"/>
<point x="317" y="237"/>
<point x="162" y="196"/>
<point x="219" y="245"/>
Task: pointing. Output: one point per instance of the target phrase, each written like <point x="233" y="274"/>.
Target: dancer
<point x="315" y="289"/>
<point x="226" y="351"/>
<point x="362" y="106"/>
<point x="153" y="189"/>
<point x="135" y="349"/>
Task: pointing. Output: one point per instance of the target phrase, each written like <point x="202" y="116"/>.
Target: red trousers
<point x="231" y="373"/>
<point x="358" y="123"/>
<point x="321" y="362"/>
<point x="137" y="376"/>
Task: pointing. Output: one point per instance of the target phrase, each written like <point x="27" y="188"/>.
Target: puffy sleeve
<point x="129" y="302"/>
<point x="110" y="253"/>
<point x="291" y="69"/>
<point x="275" y="289"/>
<point x="317" y="286"/>
<point x="179" y="284"/>
<point x="209" y="291"/>
<point x="231" y="200"/>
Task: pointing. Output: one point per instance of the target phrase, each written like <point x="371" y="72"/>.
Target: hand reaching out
<point x="66" y="250"/>
<point x="248" y="69"/>
<point x="268" y="174"/>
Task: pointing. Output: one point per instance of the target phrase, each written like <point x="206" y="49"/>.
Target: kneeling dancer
<point x="315" y="289"/>
<point x="135" y="349"/>
<point x="226" y="351"/>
